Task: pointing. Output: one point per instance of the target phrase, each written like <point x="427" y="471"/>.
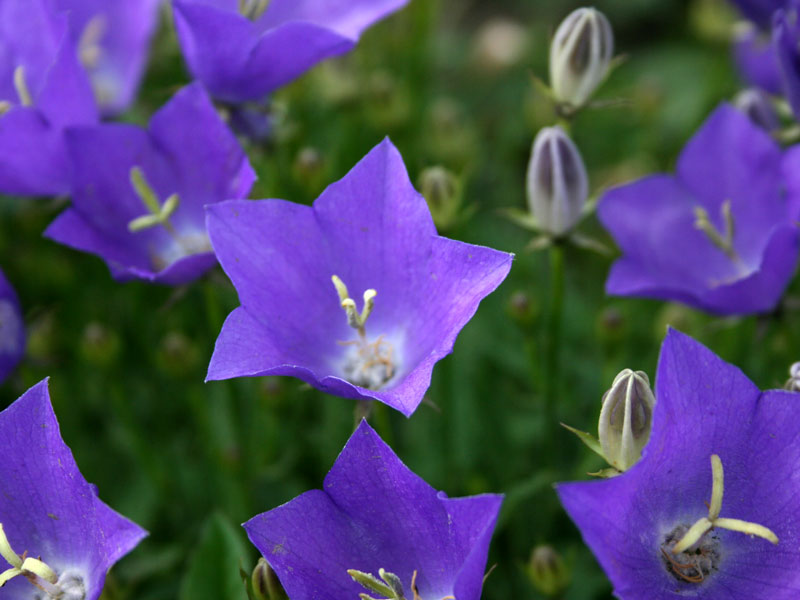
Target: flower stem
<point x="553" y="331"/>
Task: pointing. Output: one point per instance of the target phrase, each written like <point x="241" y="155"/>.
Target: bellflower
<point x="294" y="267"/>
<point x="43" y="90"/>
<point x="143" y="211"/>
<point x="244" y="49"/>
<point x="786" y="40"/>
<point x="58" y="538"/>
<point x="759" y="12"/>
<point x="721" y="235"/>
<point x="112" y="37"/>
<point x="12" y="329"/>
<point x="712" y="510"/>
<point x="377" y="528"/>
<point x="756" y="59"/>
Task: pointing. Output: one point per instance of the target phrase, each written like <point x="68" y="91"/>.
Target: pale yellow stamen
<point x="25" y="98"/>
<point x="12" y="558"/>
<point x="354" y="319"/>
<point x="705" y="524"/>
<point x="89" y="49"/>
<point x="722" y="240"/>
<point x="36" y="571"/>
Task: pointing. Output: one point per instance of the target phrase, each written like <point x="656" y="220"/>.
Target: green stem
<point x="553" y="331"/>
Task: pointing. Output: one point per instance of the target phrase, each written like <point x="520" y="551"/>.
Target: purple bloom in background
<point x="43" y="90"/>
<point x="370" y="232"/>
<point x="143" y="210"/>
<point x="759" y="11"/>
<point x="756" y="59"/>
<point x="112" y="37"/>
<point x="786" y="41"/>
<point x="721" y="235"/>
<point x="712" y="510"/>
<point x="244" y="49"/>
<point x="12" y="328"/>
<point x="374" y="516"/>
<point x="55" y="533"/>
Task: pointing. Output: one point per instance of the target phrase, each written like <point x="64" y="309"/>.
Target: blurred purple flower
<point x="759" y="11"/>
<point x="112" y="37"/>
<point x="375" y="232"/>
<point x="244" y="49"/>
<point x="749" y="494"/>
<point x="722" y="234"/>
<point x="786" y="41"/>
<point x="756" y="59"/>
<point x="142" y="211"/>
<point x="373" y="513"/>
<point x="43" y="90"/>
<point x="12" y="328"/>
<point x="55" y="533"/>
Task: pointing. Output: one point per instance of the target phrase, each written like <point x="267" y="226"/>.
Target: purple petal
<point x="786" y="44"/>
<point x="12" y="328"/>
<point x="370" y="516"/>
<point x="757" y="60"/>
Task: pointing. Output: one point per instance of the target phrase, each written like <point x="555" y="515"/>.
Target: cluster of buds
<point x="625" y="422"/>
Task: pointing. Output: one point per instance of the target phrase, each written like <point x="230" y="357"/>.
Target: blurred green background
<point x="451" y="83"/>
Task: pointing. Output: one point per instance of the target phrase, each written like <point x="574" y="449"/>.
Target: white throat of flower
<point x="369" y="364"/>
<point x="388" y="586"/>
<point x="22" y="89"/>
<point x="705" y="524"/>
<point x="160" y="215"/>
<point x="68" y="586"/>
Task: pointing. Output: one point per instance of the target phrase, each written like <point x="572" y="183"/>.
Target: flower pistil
<point x="389" y="585"/>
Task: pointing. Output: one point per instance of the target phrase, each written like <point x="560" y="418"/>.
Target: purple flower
<point x="43" y="90"/>
<point x="759" y="11"/>
<point x="721" y="235"/>
<point x="244" y="49"/>
<point x="786" y="41"/>
<point x="712" y="510"/>
<point x="143" y="210"/>
<point x="55" y="533"/>
<point x="12" y="328"/>
<point x="375" y="517"/>
<point x="369" y="232"/>
<point x="112" y="37"/>
<point x="756" y="59"/>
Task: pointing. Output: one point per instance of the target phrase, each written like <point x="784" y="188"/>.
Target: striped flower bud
<point x="626" y="419"/>
<point x="756" y="104"/>
<point x="558" y="185"/>
<point x="580" y="55"/>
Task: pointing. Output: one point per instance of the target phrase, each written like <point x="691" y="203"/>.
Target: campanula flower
<point x="786" y="40"/>
<point x="712" y="509"/>
<point x="12" y="328"/>
<point x="143" y="210"/>
<point x="759" y="12"/>
<point x="377" y="529"/>
<point x="43" y="90"/>
<point x="357" y="295"/>
<point x="756" y="59"/>
<point x="57" y="538"/>
<point x="244" y="49"/>
<point x="721" y="235"/>
<point x="112" y="38"/>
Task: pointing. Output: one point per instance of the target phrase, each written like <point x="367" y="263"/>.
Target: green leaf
<point x="587" y="439"/>
<point x="213" y="571"/>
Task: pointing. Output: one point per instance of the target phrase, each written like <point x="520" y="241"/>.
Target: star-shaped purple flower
<point x="370" y="232"/>
<point x="43" y="90"/>
<point x="712" y="510"/>
<point x="55" y="533"/>
<point x="12" y="328"/>
<point x="244" y="49"/>
<point x="374" y="516"/>
<point x="112" y="37"/>
<point x="721" y="235"/>
<point x="786" y="43"/>
<point x="143" y="210"/>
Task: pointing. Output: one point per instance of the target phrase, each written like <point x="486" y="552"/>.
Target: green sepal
<point x="520" y="217"/>
<point x="605" y="473"/>
<point x="591" y="442"/>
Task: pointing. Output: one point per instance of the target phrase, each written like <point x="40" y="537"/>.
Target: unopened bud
<point x="757" y="106"/>
<point x="580" y="55"/>
<point x="626" y="419"/>
<point x="547" y="571"/>
<point x="265" y="583"/>
<point x="558" y="185"/>
<point x="793" y="383"/>
<point x="442" y="190"/>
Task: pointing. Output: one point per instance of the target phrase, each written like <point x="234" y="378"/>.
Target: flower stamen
<point x="89" y="49"/>
<point x="253" y="9"/>
<point x="722" y="240"/>
<point x="388" y="586"/>
<point x="21" y="85"/>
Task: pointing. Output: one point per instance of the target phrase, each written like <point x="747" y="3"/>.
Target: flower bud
<point x="558" y="185"/>
<point x="580" y="55"/>
<point x="265" y="583"/>
<point x="442" y="190"/>
<point x="793" y="383"/>
<point x="754" y="103"/>
<point x="626" y="419"/>
<point x="547" y="571"/>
